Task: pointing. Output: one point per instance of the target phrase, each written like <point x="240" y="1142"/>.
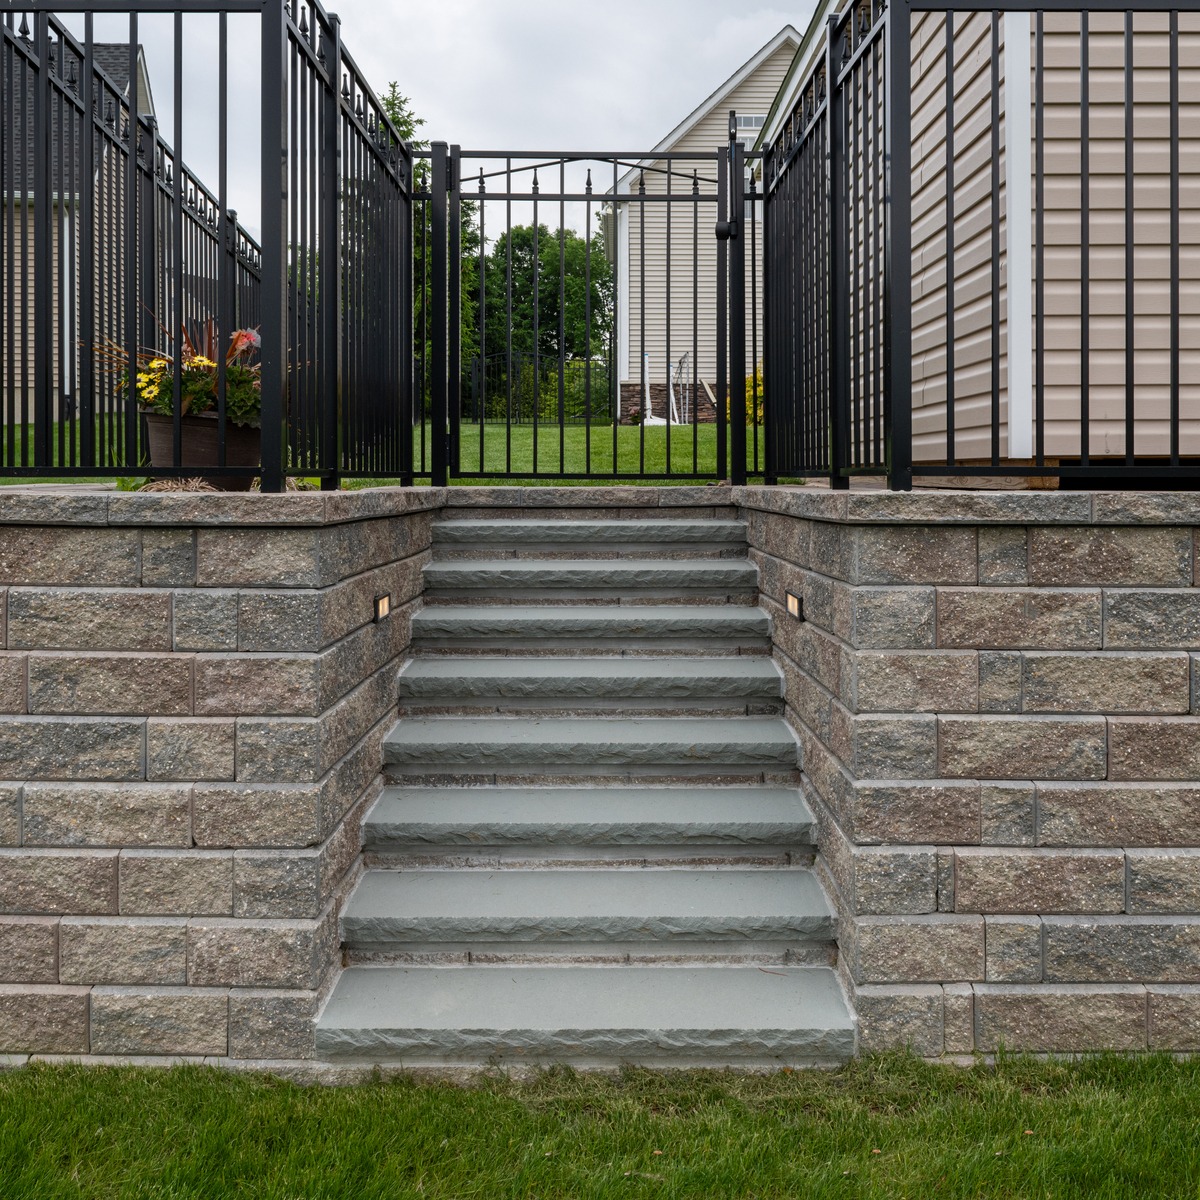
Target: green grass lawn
<point x="893" y="1127"/>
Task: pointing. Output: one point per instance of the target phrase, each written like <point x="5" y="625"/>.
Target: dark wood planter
<point x="200" y="448"/>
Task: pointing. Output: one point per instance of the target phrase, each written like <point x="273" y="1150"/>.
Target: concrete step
<point x="629" y="629"/>
<point x="407" y="910"/>
<point x="542" y="537"/>
<point x="729" y="683"/>
<point x="681" y="1016"/>
<point x="588" y="580"/>
<point x="416" y="819"/>
<point x="566" y="745"/>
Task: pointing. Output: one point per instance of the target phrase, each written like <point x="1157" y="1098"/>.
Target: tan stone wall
<point x="1001" y="739"/>
<point x="193" y="695"/>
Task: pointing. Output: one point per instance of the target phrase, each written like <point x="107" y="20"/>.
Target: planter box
<point x="200" y="447"/>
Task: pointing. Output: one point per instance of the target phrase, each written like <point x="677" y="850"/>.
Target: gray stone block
<point x="168" y="883"/>
<point x="999" y="682"/>
<point x="261" y="558"/>
<point x="1123" y="949"/>
<point x="190" y="750"/>
<point x="13" y="673"/>
<point x="261" y="684"/>
<point x="86" y="557"/>
<point x="168" y="557"/>
<point x="1008" y="814"/>
<point x="28" y="950"/>
<point x="895" y="747"/>
<point x="105" y="814"/>
<point x="924" y="554"/>
<point x="1148" y="619"/>
<point x="1106" y="683"/>
<point x="925" y="949"/>
<point x="272" y="1025"/>
<point x="10" y="815"/>
<point x="915" y="681"/>
<point x="1154" y="748"/>
<point x="159" y="1020"/>
<point x="1164" y="881"/>
<point x="988" y="747"/>
<point x="280" y="884"/>
<point x="206" y="620"/>
<point x="37" y="1019"/>
<point x="1098" y="557"/>
<point x="1107" y="814"/>
<point x="1003" y="556"/>
<point x="1048" y="1019"/>
<point x="891" y="881"/>
<point x="1039" y="881"/>
<point x="900" y="1017"/>
<point x="110" y="684"/>
<point x="88" y="619"/>
<point x="82" y="748"/>
<point x="260" y="954"/>
<point x="287" y="621"/>
<point x="959" y="1018"/>
<point x="1014" y="949"/>
<point x="256" y="815"/>
<point x="52" y="882"/>
<point x="900" y="618"/>
<point x="1019" y="618"/>
<point x="592" y="577"/>
<point x="1174" y="1018"/>
<point x="147" y="950"/>
<point x="916" y="812"/>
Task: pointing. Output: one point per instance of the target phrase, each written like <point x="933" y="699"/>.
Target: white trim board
<point x="1018" y="151"/>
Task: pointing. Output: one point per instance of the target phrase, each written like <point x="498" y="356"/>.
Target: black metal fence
<point x="587" y="315"/>
<point x="145" y="330"/>
<point x="976" y="251"/>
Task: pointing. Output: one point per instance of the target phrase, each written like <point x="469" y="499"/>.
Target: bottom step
<point x="661" y="1015"/>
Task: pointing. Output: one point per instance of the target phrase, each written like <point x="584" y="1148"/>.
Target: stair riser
<point x="498" y="706"/>
<point x="416" y="775"/>
<point x="580" y="551"/>
<point x="608" y="954"/>
<point x="606" y="647"/>
<point x="397" y="856"/>
<point x="597" y="533"/>
<point x="505" y="594"/>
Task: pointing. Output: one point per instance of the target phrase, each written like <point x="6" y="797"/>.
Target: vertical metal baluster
<point x="755" y="352"/>
<point x="509" y="351"/>
<point x="667" y="314"/>
<point x="562" y="317"/>
<point x="1040" y="239"/>
<point x="331" y="269"/>
<point x="482" y="314"/>
<point x="454" y="252"/>
<point x="1175" y="236"/>
<point x="995" y="215"/>
<point x="643" y="374"/>
<point x="1130" y="252"/>
<point x="950" y="215"/>
<point x="695" y="414"/>
<point x="587" y="328"/>
<point x="275" y="245"/>
<point x="1085" y="241"/>
<point x="722" y="463"/>
<point x="440" y="350"/>
<point x="839" y="254"/>
<point x="537" y="297"/>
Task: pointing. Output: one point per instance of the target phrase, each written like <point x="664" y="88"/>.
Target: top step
<point x="596" y="535"/>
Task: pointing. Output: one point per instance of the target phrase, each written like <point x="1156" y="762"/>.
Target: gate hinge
<point x="727" y="231"/>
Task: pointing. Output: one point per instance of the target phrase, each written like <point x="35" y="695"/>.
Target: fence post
<point x="439" y="186"/>
<point x="737" y="306"/>
<point x="149" y="234"/>
<point x="329" y="264"/>
<point x="275" y="241"/>
<point x="839" y="294"/>
<point x="454" y="308"/>
<point x="897" y="278"/>
<point x="722" y="464"/>
<point x="43" y="248"/>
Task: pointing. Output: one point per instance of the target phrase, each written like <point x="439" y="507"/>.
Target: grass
<point x="639" y="451"/>
<point x="889" y="1127"/>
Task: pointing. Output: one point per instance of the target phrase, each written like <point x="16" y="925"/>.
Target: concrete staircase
<point x="592" y="847"/>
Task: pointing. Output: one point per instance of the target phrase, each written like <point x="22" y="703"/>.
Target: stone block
<point x="1174" y="1018"/>
<point x="88" y="619"/>
<point x="917" y="554"/>
<point x="271" y="1025"/>
<point x="989" y="747"/>
<point x="54" y="882"/>
<point x="1152" y="620"/>
<point x="13" y="671"/>
<point x="215" y="508"/>
<point x="257" y="685"/>
<point x="280" y="621"/>
<point x="107" y="814"/>
<point x="900" y="1018"/>
<point x="114" y="950"/>
<point x="890" y="881"/>
<point x="187" y="749"/>
<point x="66" y="748"/>
<point x="915" y="681"/>
<point x="1106" y="814"/>
<point x="260" y="954"/>
<point x="1008" y="814"/>
<point x="353" y="660"/>
<point x="959" y="999"/>
<point x="1122" y="949"/>
<point x="206" y="620"/>
<point x="999" y="681"/>
<point x="110" y="684"/>
<point x="896" y="618"/>
<point x="261" y="558"/>
<point x="1014" y="949"/>
<point x="281" y="884"/>
<point x="1106" y="682"/>
<point x="1164" y="881"/>
<point x="167" y="883"/>
<point x="256" y="816"/>
<point x="10" y="815"/>
<point x="1039" y="881"/>
<point x="270" y="750"/>
<point x="1018" y="618"/>
<point x="38" y="1019"/>
<point x="901" y="812"/>
<point x="895" y="747"/>
<point x="28" y="950"/>
<point x="168" y="557"/>
<point x="1090" y="556"/>
<point x="1003" y="555"/>
<point x="945" y="881"/>
<point x="64" y="557"/>
<point x="929" y="949"/>
<point x="159" y="1020"/>
<point x="1159" y="748"/>
<point x="1046" y="1019"/>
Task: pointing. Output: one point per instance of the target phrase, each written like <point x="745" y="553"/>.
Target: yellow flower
<point x="202" y="362"/>
<point x="158" y="364"/>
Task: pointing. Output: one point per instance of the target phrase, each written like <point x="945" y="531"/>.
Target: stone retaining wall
<point x="999" y="703"/>
<point x="193" y="693"/>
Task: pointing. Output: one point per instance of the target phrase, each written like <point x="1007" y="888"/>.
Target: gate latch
<point x="727" y="230"/>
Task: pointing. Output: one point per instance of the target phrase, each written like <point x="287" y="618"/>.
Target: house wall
<point x="193" y="696"/>
<point x="995" y="697"/>
<point x="689" y="290"/>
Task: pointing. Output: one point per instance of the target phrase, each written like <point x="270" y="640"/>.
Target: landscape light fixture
<point x="795" y="607"/>
<point x="383" y="608"/>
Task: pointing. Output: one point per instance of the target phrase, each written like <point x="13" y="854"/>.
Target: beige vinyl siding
<point x="1152" y="233"/>
<point x="974" y="219"/>
<point x="690" y="269"/>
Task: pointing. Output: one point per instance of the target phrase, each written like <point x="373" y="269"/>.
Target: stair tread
<point x="658" y="532"/>
<point x="605" y="740"/>
<point x="621" y="620"/>
<point x="602" y="572"/>
<point x="690" y="894"/>
<point x="622" y="1012"/>
<point x="652" y="816"/>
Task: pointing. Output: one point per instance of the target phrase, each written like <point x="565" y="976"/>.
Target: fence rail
<point x="975" y="252"/>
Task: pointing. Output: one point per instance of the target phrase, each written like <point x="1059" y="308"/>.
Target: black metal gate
<point x="587" y="315"/>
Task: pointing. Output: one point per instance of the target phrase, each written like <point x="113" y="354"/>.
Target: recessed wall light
<point x="795" y="607"/>
<point x="383" y="608"/>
